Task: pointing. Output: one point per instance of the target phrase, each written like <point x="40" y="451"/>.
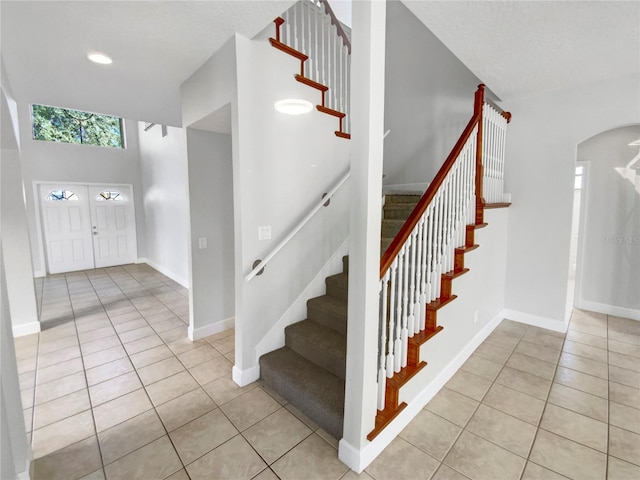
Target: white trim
<point x="39" y="273"/>
<point x="211" y="329"/>
<point x="26" y="473"/>
<point x="297" y="312"/>
<point x="405" y="187"/>
<point x="28" y="328"/>
<point x="536" y="321"/>
<point x="245" y="377"/>
<point x="359" y="460"/>
<point x="624" y="312"/>
<point x="166" y="272"/>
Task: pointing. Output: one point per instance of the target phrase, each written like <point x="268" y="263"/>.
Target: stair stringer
<point x="481" y="288"/>
<point x="274" y="338"/>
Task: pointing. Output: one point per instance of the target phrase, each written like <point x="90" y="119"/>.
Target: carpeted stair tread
<point x="391" y="227"/>
<point x="319" y="344"/>
<point x="338" y="286"/>
<point x="328" y="311"/>
<point x="398" y="211"/>
<point x="308" y="387"/>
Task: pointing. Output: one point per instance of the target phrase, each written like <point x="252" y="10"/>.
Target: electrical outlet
<point x="202" y="243"/>
<point x="475" y="316"/>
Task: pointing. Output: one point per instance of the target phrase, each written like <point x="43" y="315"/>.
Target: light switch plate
<point x="264" y="233"/>
<point x="202" y="242"/>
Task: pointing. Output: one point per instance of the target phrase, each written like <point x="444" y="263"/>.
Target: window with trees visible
<point x="56" y="124"/>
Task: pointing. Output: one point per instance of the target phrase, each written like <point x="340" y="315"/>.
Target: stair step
<point x="343" y="135"/>
<point x="345" y="264"/>
<point x="393" y="198"/>
<point x="328" y="311"/>
<point x="398" y="211"/>
<point x="338" y="286"/>
<point x="287" y="49"/>
<point x="308" y="387"/>
<point x="312" y="83"/>
<point x="319" y="344"/>
<point x="330" y="111"/>
<point x="391" y="227"/>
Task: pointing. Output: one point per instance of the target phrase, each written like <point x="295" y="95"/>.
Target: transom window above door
<point x="57" y="195"/>
<point x="110" y="195"/>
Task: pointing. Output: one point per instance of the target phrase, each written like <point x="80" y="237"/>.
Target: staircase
<point x="309" y="370"/>
<point x="310" y="32"/>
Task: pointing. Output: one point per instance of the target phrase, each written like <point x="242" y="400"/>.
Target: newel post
<point x="477" y="112"/>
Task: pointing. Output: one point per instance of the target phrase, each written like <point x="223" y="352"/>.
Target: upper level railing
<point x="412" y="267"/>
<point x="261" y="264"/>
<point x="311" y="27"/>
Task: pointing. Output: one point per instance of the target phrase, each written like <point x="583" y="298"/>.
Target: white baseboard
<point x="536" y="321"/>
<point x="28" y="328"/>
<point x="274" y="338"/>
<point x="39" y="274"/>
<point x="245" y="377"/>
<point x="624" y="312"/>
<point x="165" y="271"/>
<point x="212" y="329"/>
<point x="358" y="460"/>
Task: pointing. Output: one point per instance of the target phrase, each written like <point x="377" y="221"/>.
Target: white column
<point x="367" y="100"/>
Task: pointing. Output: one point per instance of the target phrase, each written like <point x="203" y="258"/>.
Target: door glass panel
<point x="110" y="195"/>
<point x="56" y="195"/>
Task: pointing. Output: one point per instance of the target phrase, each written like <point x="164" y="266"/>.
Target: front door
<point x="67" y="227"/>
<point x="87" y="226"/>
<point x="113" y="225"/>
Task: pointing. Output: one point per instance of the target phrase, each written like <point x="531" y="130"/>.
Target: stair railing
<point x="324" y="201"/>
<point x="494" y="129"/>
<point x="311" y="27"/>
<point x="411" y="269"/>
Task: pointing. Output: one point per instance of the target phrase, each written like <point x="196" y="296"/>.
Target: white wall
<point x="18" y="265"/>
<point x="541" y="154"/>
<point x="429" y="98"/>
<point x="44" y="161"/>
<point x="165" y="181"/>
<point x="15" y="451"/>
<point x="211" y="203"/>
<point x="610" y="259"/>
<point x="281" y="166"/>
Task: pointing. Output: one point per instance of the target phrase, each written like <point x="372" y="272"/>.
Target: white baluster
<point x="404" y="334"/>
<point x="382" y="335"/>
<point x="392" y="314"/>
<point x="397" y="338"/>
<point x="412" y="285"/>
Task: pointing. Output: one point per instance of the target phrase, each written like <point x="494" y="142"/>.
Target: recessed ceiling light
<point x="100" y="58"/>
<point x="293" y="106"/>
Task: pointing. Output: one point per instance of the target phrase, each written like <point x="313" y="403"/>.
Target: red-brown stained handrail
<point x="334" y="20"/>
<point x="397" y="243"/>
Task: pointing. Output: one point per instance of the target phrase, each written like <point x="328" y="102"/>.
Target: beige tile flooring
<point x="112" y="388"/>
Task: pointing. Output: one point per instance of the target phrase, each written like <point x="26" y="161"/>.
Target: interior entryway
<point x="87" y="226"/>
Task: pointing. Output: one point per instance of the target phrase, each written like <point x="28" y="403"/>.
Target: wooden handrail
<point x="396" y="245"/>
<point x="336" y="22"/>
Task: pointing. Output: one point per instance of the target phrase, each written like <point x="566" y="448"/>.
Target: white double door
<point x="87" y="226"/>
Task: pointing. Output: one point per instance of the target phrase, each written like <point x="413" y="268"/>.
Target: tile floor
<point x="112" y="388"/>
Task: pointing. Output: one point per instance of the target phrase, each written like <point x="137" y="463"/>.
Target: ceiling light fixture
<point x="293" y="106"/>
<point x="101" y="58"/>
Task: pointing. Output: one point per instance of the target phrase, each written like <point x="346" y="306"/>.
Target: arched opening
<point x="606" y="235"/>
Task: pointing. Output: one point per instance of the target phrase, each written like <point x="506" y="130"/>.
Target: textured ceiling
<point x="521" y="47"/>
<point x="155" y="46"/>
<point x="515" y="47"/>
